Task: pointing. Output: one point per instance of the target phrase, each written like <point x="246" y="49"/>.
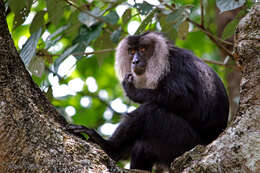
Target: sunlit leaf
<point x="183" y="30"/>
<point x="29" y="48"/>
<point x="145" y="22"/>
<point x="230" y="29"/>
<point x="226" y="5"/>
<point x="127" y="16"/>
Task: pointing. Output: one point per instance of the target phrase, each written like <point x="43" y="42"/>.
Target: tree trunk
<point x="33" y="137"/>
<point x="32" y="132"/>
<point x="238" y="148"/>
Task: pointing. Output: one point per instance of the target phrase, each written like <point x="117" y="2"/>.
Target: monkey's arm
<point x="122" y="140"/>
<point x="172" y="93"/>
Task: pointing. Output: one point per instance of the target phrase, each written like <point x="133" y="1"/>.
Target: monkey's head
<point x="145" y="56"/>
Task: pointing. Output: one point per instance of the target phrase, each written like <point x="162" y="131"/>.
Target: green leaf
<point x="178" y="16"/>
<point x="143" y="8"/>
<point x="183" y="30"/>
<point x="36" y="66"/>
<point x="37" y="22"/>
<point x="230" y="29"/>
<point x="29" y="48"/>
<point x="16" y="5"/>
<point x="55" y="10"/>
<point x="127" y="16"/>
<point x="115" y="36"/>
<point x="166" y="28"/>
<point x="145" y="22"/>
<point x="49" y="94"/>
<point x="63" y="56"/>
<point x="20" y="16"/>
<point x="111" y="18"/>
<point x="73" y="29"/>
<point x="28" y="3"/>
<point x="226" y="5"/>
<point x="88" y="20"/>
<point x="86" y="35"/>
<point x="103" y="42"/>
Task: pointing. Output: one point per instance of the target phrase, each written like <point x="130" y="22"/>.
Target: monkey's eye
<point x="142" y="49"/>
<point x="132" y="51"/>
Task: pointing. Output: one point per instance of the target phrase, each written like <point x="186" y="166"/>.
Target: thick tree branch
<point x="33" y="137"/>
<point x="238" y="148"/>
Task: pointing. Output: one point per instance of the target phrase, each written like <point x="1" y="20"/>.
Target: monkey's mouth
<point x="138" y="69"/>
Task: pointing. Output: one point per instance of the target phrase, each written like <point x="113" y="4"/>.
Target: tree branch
<point x="220" y="63"/>
<point x="213" y="38"/>
<point x="202" y="13"/>
<point x="94" y="52"/>
<point x="101" y="100"/>
<point x="235" y="149"/>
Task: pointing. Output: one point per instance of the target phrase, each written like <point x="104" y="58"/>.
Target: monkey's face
<point x="140" y="50"/>
<point x="144" y="56"/>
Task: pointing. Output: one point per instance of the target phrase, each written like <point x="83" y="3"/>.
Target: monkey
<point x="182" y="100"/>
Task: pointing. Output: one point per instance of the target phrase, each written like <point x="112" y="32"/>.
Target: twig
<point x="55" y="73"/>
<point x="219" y="63"/>
<point x="166" y="5"/>
<point x="201" y="27"/>
<point x="202" y="13"/>
<point x="212" y="37"/>
<point x="208" y="33"/>
<point x="94" y="52"/>
<point x="101" y="100"/>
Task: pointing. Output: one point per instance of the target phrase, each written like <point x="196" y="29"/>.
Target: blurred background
<point x="68" y="47"/>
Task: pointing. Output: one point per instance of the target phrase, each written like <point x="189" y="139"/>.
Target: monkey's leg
<point x="122" y="140"/>
<point x="140" y="158"/>
<point x="106" y="145"/>
<point x="164" y="137"/>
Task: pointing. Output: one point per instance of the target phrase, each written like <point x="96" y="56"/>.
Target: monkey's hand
<point x="138" y="95"/>
<point x="128" y="84"/>
<point x="132" y="92"/>
<point x="78" y="129"/>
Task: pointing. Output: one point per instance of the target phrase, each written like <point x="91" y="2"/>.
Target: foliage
<point x="70" y="46"/>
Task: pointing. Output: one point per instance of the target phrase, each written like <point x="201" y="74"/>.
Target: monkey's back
<point x="203" y="101"/>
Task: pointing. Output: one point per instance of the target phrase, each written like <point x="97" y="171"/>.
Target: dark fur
<point x="189" y="106"/>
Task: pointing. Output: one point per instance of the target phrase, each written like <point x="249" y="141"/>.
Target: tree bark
<point x="32" y="133"/>
<point x="33" y="137"/>
<point x="238" y="148"/>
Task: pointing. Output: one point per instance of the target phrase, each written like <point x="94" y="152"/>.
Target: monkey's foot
<point x="77" y="130"/>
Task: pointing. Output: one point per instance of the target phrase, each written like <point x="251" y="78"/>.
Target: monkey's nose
<point x="135" y="59"/>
